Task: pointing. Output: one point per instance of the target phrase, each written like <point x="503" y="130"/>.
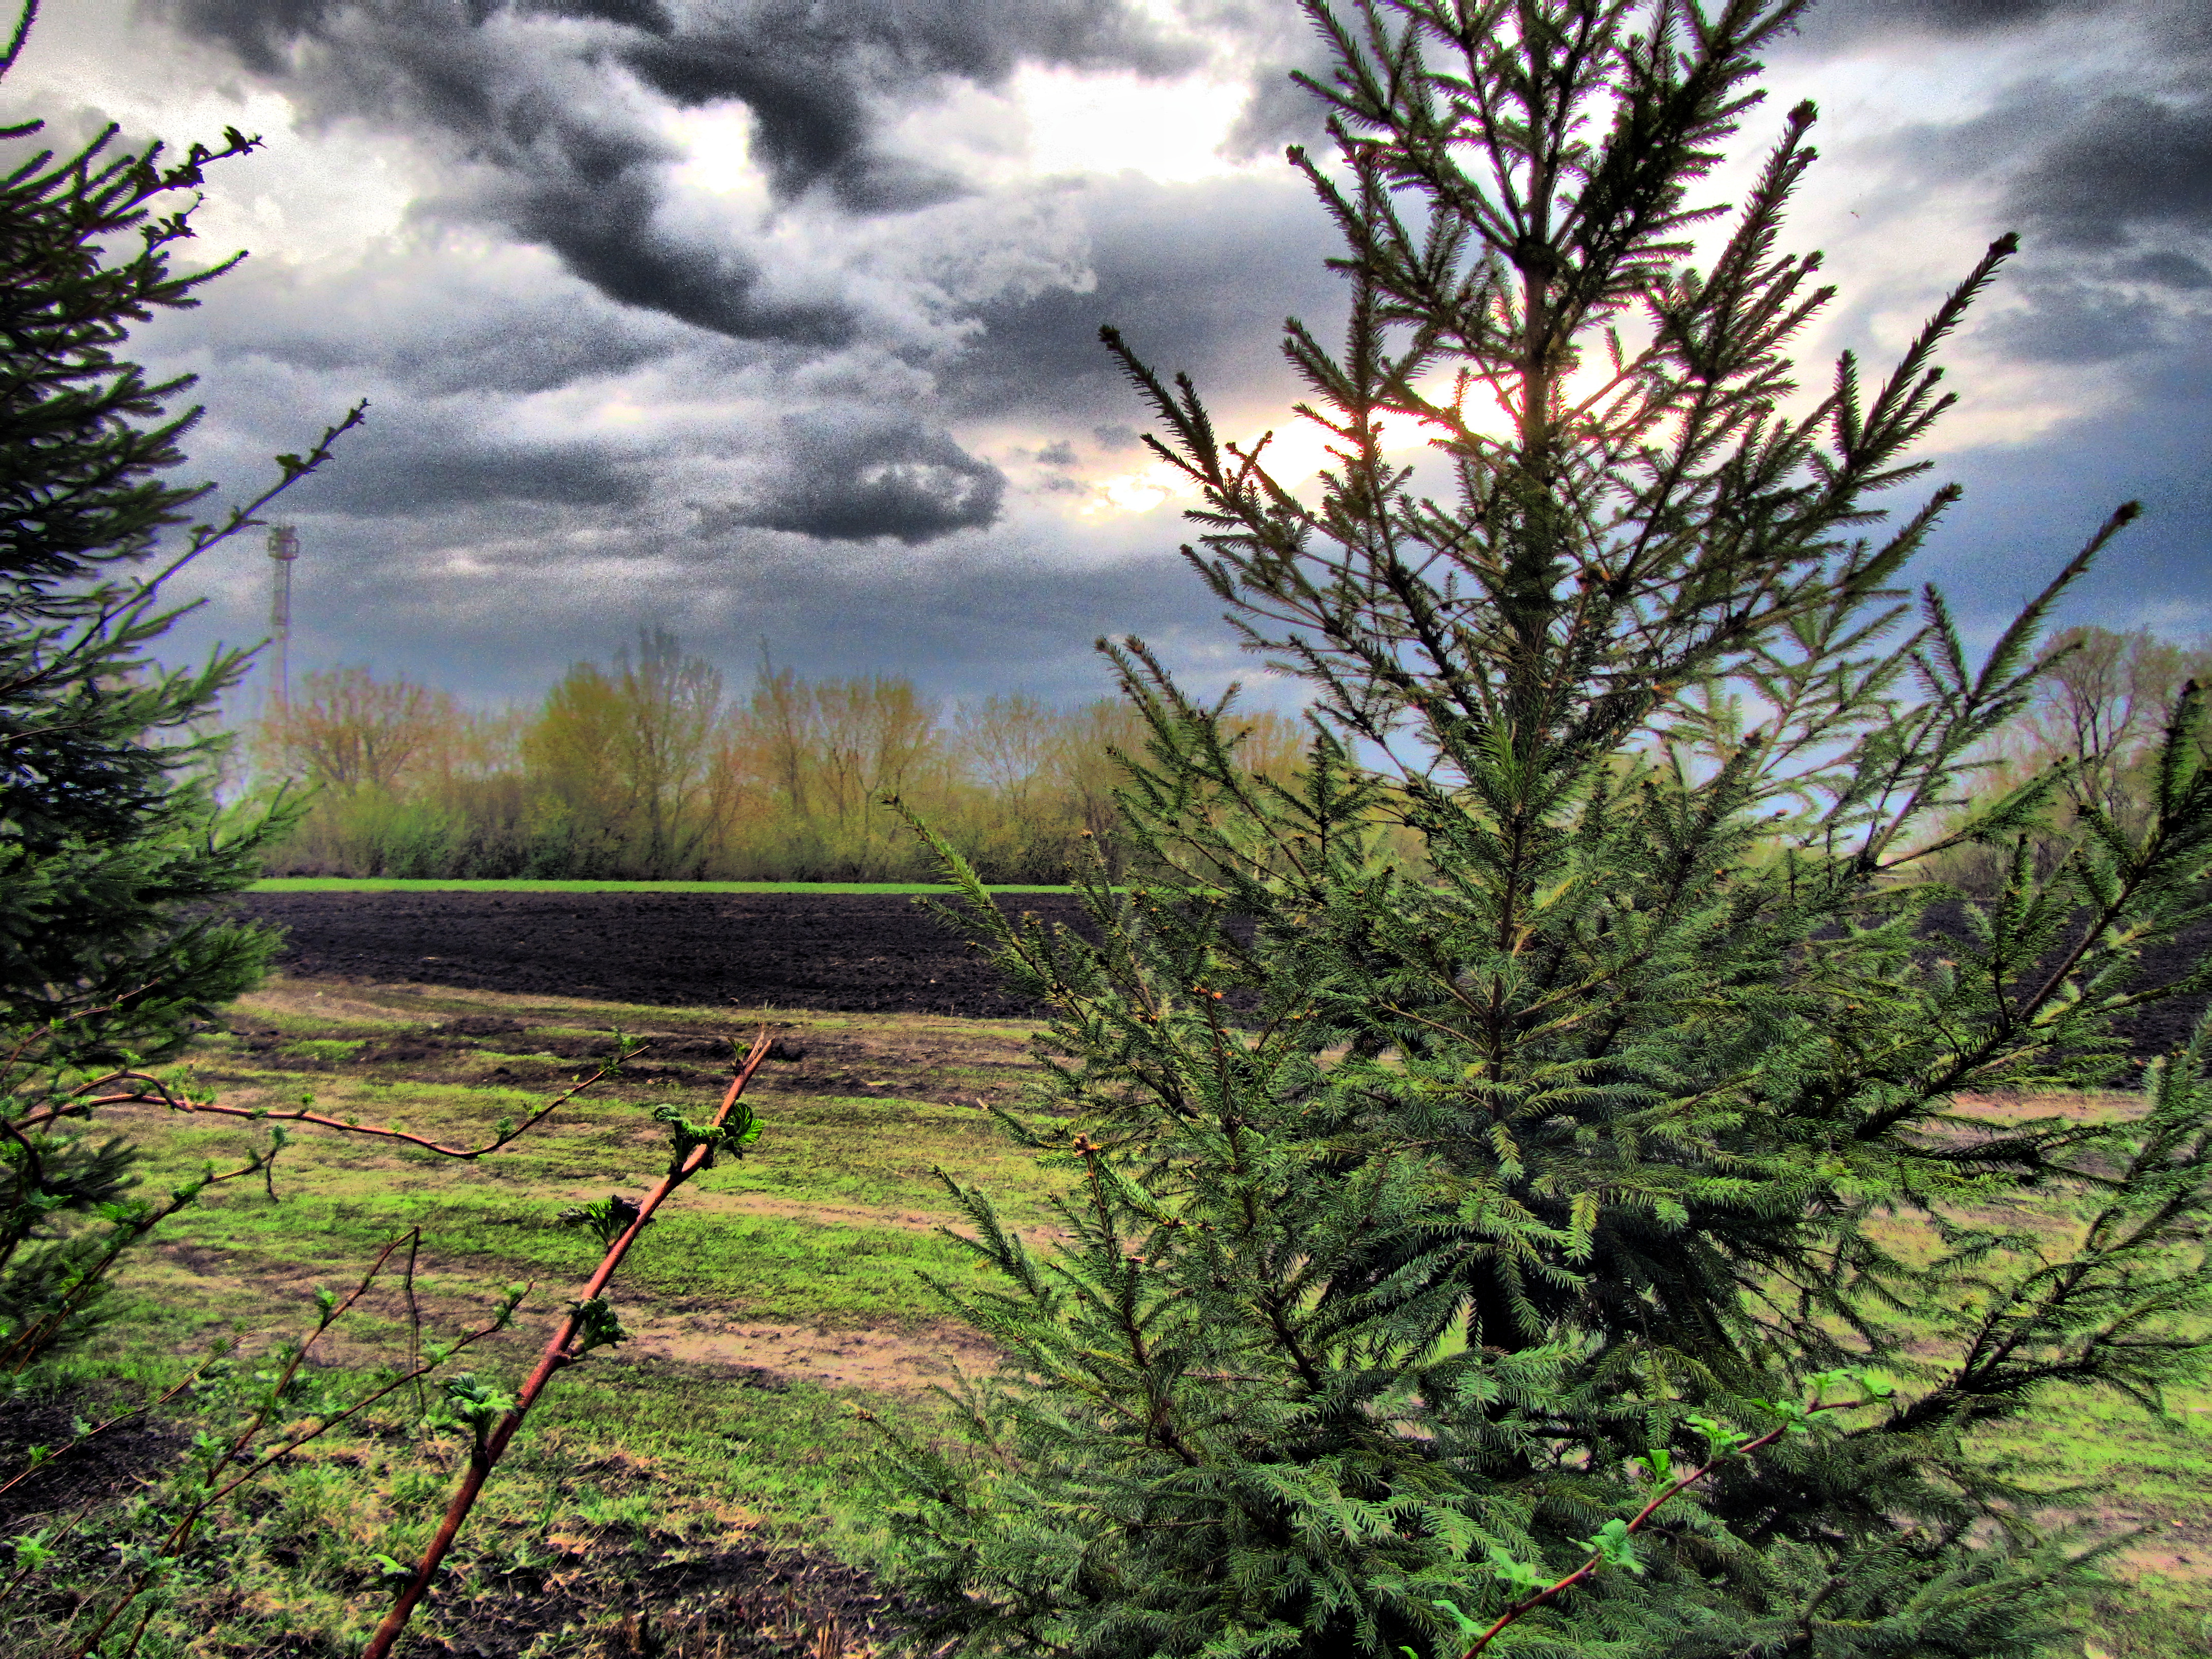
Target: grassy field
<point x="381" y="884"/>
<point x="776" y="1294"/>
<point x="772" y="1296"/>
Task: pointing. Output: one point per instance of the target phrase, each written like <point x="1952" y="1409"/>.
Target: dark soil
<point x="743" y="1603"/>
<point x="79" y="1471"/>
<point x="838" y="952"/>
<point x="961" y="1068"/>
<point x="748" y="1601"/>
<point x="2160" y="1028"/>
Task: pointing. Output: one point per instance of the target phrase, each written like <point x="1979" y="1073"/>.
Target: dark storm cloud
<point x="2029" y="506"/>
<point x="409" y="475"/>
<point x="1279" y="110"/>
<point x="2174" y="270"/>
<point x="814" y="77"/>
<point x="648" y="16"/>
<point x="574" y="171"/>
<point x="590" y="196"/>
<point x="412" y="325"/>
<point x="2073" y="321"/>
<point x="1197" y="277"/>
<point x="534" y="92"/>
<point x="261" y="32"/>
<point x="2103" y="164"/>
<point x="851" y="479"/>
<point x="2133" y="166"/>
<point x="1949" y="16"/>
<point x="1833" y="23"/>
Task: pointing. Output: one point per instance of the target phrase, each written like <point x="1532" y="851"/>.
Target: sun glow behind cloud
<point x="1081" y="121"/>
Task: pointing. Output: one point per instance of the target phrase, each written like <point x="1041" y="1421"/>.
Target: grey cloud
<point x="2135" y="163"/>
<point x="519" y="89"/>
<point x="2029" y="506"/>
<point x="387" y="475"/>
<point x="1835" y="24"/>
<point x="1210" y="297"/>
<point x="574" y="173"/>
<point x="814" y="77"/>
<point x="263" y="33"/>
<point x="1057" y="454"/>
<point x="853" y="479"/>
<point x="2167" y="269"/>
<point x="648" y="16"/>
<point x="1267" y="40"/>
<point x="590" y="196"/>
<point x="2018" y="126"/>
<point x="809" y="129"/>
<point x="1278" y="111"/>
<point x="960" y="627"/>
<point x="2071" y="321"/>
<point x="1954" y="16"/>
<point x="412" y="324"/>
<point x="2112" y="190"/>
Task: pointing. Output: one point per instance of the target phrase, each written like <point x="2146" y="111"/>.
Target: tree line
<point x="646" y="767"/>
<point x="2098" y="719"/>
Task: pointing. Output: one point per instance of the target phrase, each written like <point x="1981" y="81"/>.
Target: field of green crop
<point x="775" y="1295"/>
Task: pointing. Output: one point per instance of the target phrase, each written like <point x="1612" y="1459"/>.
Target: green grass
<point x="629" y="1468"/>
<point x="824" y="1233"/>
<point x="679" y="1447"/>
<point x="789" y="1234"/>
<point x="381" y="884"/>
<point x="325" y="1048"/>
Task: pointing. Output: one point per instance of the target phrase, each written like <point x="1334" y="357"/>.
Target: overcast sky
<point x="776" y="319"/>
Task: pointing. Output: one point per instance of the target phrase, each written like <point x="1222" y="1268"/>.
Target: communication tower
<point x="283" y="548"/>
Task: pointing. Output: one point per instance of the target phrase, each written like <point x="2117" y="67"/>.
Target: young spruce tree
<point x="110" y="846"/>
<point x="1428" y="1223"/>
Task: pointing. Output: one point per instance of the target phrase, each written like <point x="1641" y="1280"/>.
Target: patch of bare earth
<point x="274" y="1306"/>
<point x="494" y="1039"/>
<point x="886" y="1361"/>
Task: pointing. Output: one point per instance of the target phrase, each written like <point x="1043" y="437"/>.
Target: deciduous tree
<point x="344" y="729"/>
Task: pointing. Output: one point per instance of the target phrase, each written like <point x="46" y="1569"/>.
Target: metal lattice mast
<point x="283" y="548"/>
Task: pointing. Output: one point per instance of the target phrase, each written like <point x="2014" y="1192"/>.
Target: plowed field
<point x="839" y="952"/>
<point x="842" y="952"/>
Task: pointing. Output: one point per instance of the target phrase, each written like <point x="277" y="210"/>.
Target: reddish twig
<point x="1529" y="1604"/>
<point x="332" y="1311"/>
<point x="491" y="1447"/>
<point x="152" y="1091"/>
